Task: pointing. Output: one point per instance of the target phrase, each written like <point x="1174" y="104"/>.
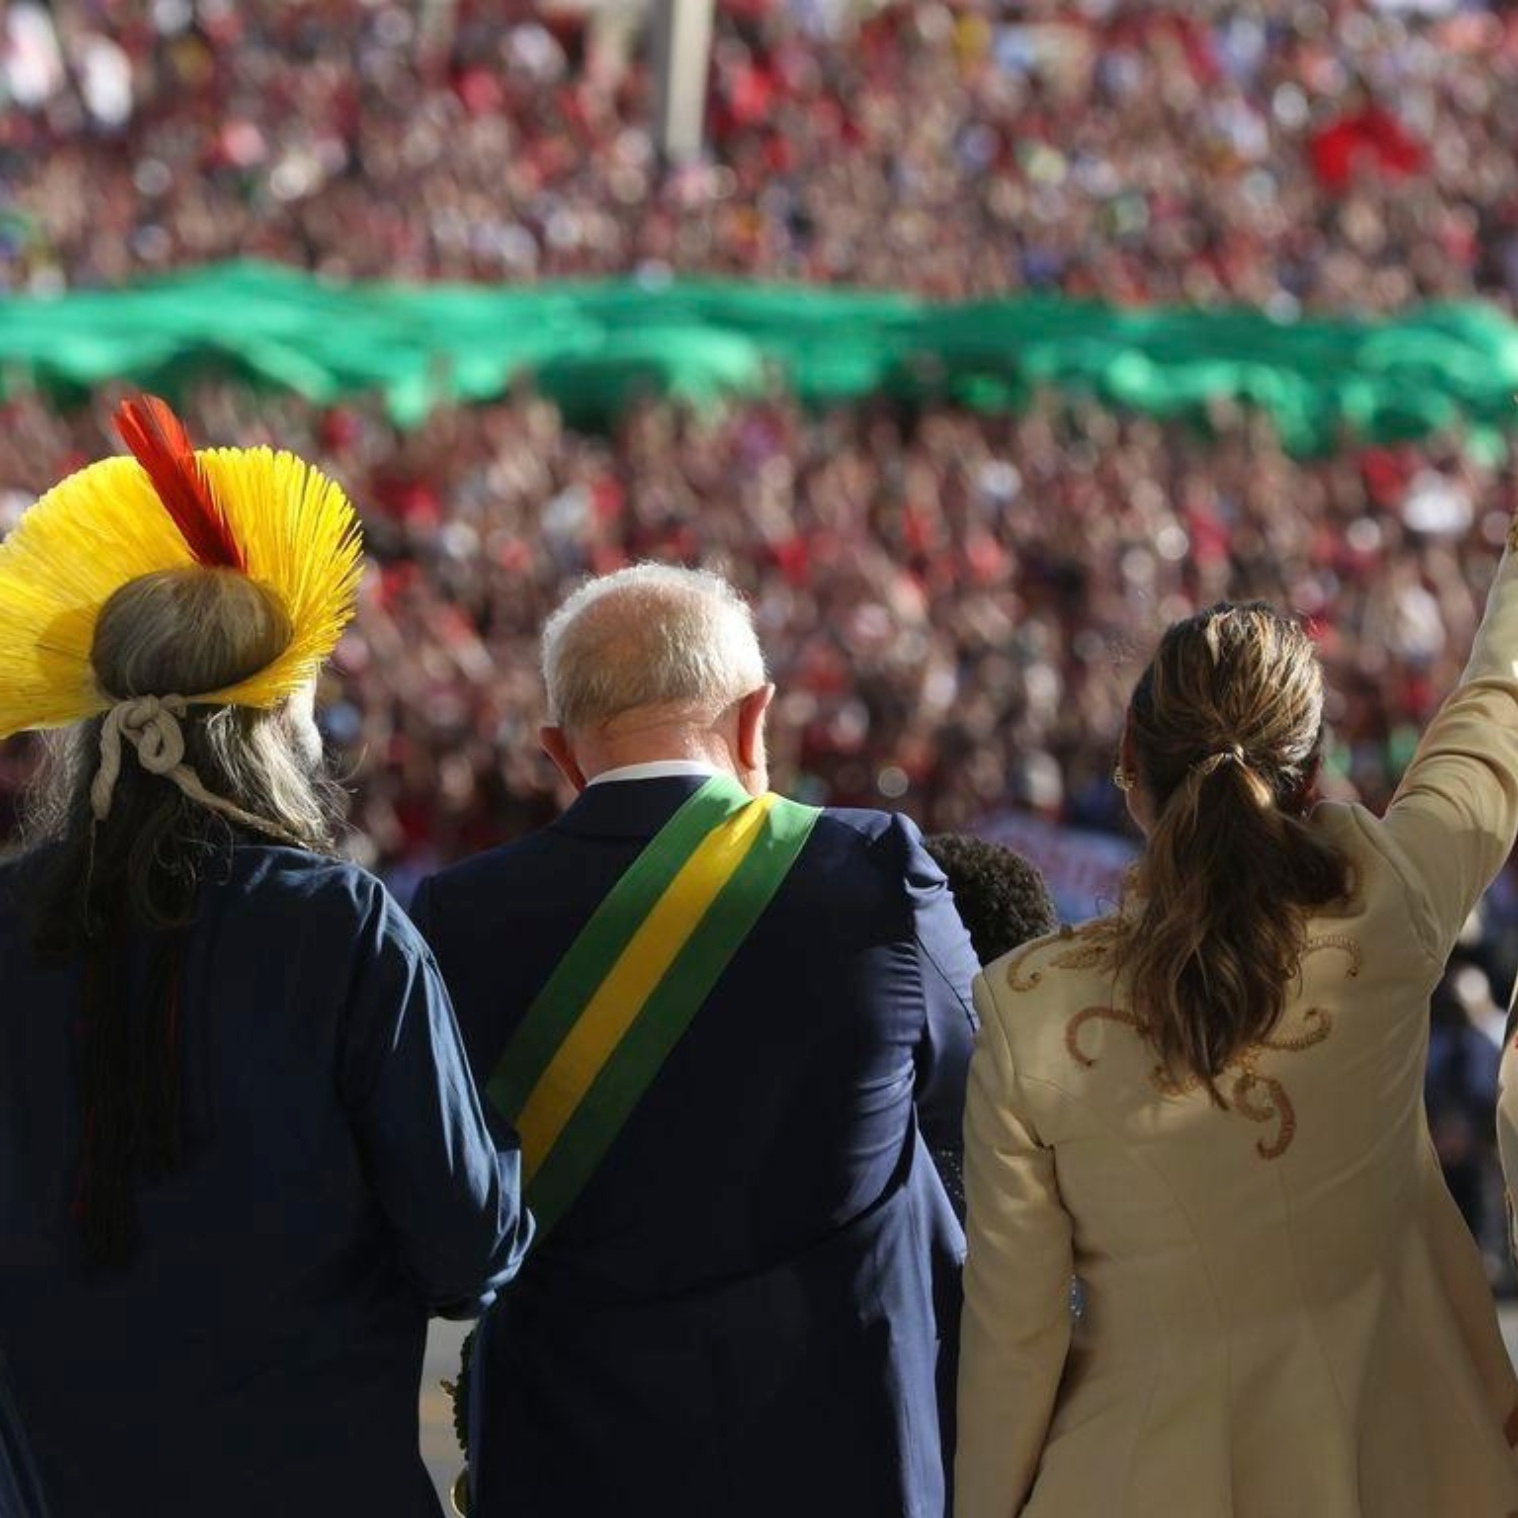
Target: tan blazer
<point x="1285" y="1317"/>
<point x="1507" y="1122"/>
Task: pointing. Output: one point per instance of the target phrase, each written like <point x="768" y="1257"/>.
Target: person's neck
<point x="658" y="747"/>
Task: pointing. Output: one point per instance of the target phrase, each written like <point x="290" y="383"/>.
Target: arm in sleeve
<point x="423" y="910"/>
<point x="1016" y="1326"/>
<point x="1455" y="814"/>
<point x="452" y="1193"/>
<point x="946" y="967"/>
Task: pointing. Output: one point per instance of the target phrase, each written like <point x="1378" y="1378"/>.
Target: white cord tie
<point x="151" y="725"/>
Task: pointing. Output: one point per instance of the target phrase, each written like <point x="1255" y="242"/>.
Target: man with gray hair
<point x="655" y="664"/>
<point x="723" y="1024"/>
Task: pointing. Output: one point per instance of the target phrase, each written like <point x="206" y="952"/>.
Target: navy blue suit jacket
<point x="261" y="1353"/>
<point x="737" y="1314"/>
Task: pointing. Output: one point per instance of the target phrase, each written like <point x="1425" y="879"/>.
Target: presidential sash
<point x="601" y="1028"/>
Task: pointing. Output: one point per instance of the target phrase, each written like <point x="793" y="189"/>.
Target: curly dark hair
<point x="1002" y="899"/>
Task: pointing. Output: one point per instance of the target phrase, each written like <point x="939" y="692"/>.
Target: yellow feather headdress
<point x="269" y="514"/>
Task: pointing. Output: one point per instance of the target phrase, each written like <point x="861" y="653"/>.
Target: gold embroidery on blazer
<point x="1074" y="1027"/>
<point x="1253" y="1094"/>
<point x="1089" y="946"/>
<point x="1276" y="1105"/>
<point x="1343" y="943"/>
<point x="1087" y="955"/>
<point x="1016" y="980"/>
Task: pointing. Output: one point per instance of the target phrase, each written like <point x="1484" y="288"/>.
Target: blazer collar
<point x="628" y="808"/>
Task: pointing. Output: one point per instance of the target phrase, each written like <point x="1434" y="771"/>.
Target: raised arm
<point x="1453" y="819"/>
<point x="1016" y="1325"/>
<point x="452" y="1193"/>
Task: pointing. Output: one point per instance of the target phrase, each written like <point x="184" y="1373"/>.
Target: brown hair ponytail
<point x="1225" y="727"/>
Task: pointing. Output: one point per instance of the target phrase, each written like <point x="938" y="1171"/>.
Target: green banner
<point x="591" y="346"/>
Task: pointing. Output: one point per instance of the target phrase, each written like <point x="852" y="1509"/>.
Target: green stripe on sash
<point x="667" y="1014"/>
<point x="600" y="1030"/>
<point x="602" y="940"/>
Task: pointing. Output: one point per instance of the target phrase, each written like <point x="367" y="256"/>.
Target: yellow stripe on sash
<point x="634" y="977"/>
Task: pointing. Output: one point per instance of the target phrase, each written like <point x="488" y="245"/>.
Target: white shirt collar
<point x="658" y="769"/>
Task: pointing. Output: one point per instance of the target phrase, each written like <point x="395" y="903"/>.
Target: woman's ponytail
<point x="1224" y="729"/>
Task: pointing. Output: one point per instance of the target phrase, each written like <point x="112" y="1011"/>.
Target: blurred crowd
<point x="1334" y="154"/>
<point x="955" y="604"/>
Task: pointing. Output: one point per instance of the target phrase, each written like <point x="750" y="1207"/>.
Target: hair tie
<point x="1233" y="753"/>
<point x="151" y="725"/>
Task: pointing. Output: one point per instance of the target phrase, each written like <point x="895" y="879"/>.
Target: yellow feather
<point x="302" y="540"/>
<point x="105" y="526"/>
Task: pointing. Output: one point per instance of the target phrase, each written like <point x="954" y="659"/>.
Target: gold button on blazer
<point x="1284" y="1315"/>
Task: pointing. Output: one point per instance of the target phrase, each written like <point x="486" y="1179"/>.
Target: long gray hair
<point x="108" y="887"/>
<point x="157" y="838"/>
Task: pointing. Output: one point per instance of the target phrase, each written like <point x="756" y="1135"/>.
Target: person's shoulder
<point x="1055" y="964"/>
<point x="1038" y="994"/>
<point x="865" y="822"/>
<point x="28" y="874"/>
<point x="1382" y="879"/>
<point x="869" y="828"/>
<point x="495" y="865"/>
<point x="1344" y="822"/>
<point x="885" y="847"/>
<point x="14" y="871"/>
<point x="321" y="887"/>
<point x="19" y="878"/>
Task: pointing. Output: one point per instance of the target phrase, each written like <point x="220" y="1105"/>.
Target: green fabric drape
<point x="590" y="346"/>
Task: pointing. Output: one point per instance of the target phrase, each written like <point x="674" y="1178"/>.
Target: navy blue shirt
<point x="262" y="1352"/>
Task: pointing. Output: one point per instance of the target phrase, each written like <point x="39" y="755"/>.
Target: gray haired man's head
<point x="654" y="635"/>
<point x="654" y="663"/>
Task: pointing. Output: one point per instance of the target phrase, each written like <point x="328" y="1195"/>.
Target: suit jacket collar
<point x="628" y="808"/>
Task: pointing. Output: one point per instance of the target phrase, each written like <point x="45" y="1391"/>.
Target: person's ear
<point x="1127" y="765"/>
<point x="1306" y="796"/>
<point x="1126" y="775"/>
<point x="555" y="743"/>
<point x="751" y="713"/>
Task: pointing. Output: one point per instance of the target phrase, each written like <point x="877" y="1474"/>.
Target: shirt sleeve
<point x="422" y="911"/>
<point x="1016" y="1325"/>
<point x="451" y="1191"/>
<point x="1455" y="814"/>
<point x="946" y="966"/>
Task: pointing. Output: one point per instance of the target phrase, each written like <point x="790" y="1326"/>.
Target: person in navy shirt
<point x="241" y="1156"/>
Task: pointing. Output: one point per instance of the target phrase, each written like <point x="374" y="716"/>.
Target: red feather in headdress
<point x="161" y="445"/>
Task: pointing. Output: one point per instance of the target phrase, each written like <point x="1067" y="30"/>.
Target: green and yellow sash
<point x="601" y="1028"/>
